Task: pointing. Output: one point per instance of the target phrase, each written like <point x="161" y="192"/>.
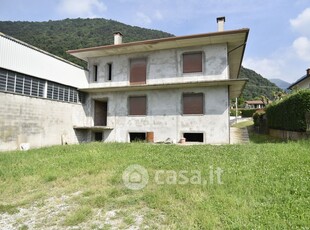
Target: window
<point x="32" y="86"/>
<point x="61" y="92"/>
<point x="20" y="83"/>
<point x="109" y="71"/>
<point x="192" y="103"/>
<point x="193" y="137"/>
<point x="137" y="137"/>
<point x="138" y="71"/>
<point x="95" y="69"/>
<point x="192" y="62"/>
<point x="137" y="105"/>
<point x="3" y="77"/>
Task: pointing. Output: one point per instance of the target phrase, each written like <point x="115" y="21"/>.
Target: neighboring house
<point x="39" y="101"/>
<point x="255" y="104"/>
<point x="302" y="83"/>
<point x="163" y="89"/>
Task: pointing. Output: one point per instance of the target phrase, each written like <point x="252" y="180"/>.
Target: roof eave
<point x="89" y="52"/>
<point x="236" y="86"/>
<point x="298" y="81"/>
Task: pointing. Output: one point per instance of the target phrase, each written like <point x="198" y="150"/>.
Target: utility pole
<point x="236" y="110"/>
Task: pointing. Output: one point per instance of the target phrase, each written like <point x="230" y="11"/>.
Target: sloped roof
<point x="298" y="81"/>
<point x="38" y="49"/>
<point x="254" y="102"/>
<point x="235" y="40"/>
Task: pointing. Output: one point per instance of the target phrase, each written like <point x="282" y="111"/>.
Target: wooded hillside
<point x="257" y="85"/>
<point x="57" y="37"/>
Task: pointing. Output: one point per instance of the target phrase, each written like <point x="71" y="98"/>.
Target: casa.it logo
<point x="135" y="177"/>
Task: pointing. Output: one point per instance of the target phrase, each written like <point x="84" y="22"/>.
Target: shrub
<point x="289" y="113"/>
<point x="233" y="112"/>
<point x="248" y="112"/>
<point x="258" y="117"/>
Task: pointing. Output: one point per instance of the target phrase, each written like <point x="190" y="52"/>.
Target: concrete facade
<point x="164" y="115"/>
<point x="164" y="87"/>
<point x="163" y="66"/>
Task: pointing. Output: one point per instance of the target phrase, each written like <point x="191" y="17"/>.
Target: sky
<point x="278" y="44"/>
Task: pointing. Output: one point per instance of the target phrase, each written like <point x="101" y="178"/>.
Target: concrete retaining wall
<point x="288" y="135"/>
<point x="39" y="122"/>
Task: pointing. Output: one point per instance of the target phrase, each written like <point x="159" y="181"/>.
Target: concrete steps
<point x="239" y="135"/>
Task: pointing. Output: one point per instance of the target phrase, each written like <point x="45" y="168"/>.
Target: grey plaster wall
<point x="164" y="115"/>
<point x="163" y="66"/>
<point x="40" y="122"/>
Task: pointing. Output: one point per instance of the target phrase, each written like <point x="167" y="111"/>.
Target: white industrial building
<point x="172" y="88"/>
<point x="39" y="99"/>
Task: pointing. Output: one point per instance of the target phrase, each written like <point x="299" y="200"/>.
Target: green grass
<point x="265" y="186"/>
<point x="255" y="137"/>
<point x="78" y="216"/>
<point x="243" y="124"/>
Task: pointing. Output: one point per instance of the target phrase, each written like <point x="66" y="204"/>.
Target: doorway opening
<point x="98" y="136"/>
<point x="101" y="113"/>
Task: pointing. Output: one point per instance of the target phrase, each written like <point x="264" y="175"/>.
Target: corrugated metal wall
<point x="21" y="58"/>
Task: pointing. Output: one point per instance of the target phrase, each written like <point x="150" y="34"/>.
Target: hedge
<point x="289" y="113"/>
<point x="248" y="112"/>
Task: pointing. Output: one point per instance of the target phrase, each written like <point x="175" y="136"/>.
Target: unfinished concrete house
<point x="172" y="88"/>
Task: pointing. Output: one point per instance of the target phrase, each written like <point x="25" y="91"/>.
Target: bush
<point x="258" y="117"/>
<point x="289" y="114"/>
<point x="233" y="112"/>
<point x="248" y="112"/>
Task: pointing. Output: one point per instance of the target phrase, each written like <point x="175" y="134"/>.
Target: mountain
<point x="57" y="37"/>
<point x="280" y="83"/>
<point x="257" y="85"/>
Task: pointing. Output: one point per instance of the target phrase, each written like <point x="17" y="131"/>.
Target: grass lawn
<point x="250" y="186"/>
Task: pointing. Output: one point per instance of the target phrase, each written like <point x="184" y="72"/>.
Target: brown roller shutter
<point x="138" y="71"/>
<point x="137" y="105"/>
<point x="192" y="62"/>
<point x="193" y="103"/>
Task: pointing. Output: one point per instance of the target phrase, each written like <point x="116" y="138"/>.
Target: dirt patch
<point x="51" y="213"/>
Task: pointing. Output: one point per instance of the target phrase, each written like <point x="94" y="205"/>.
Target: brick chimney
<point x="220" y="23"/>
<point x="308" y="72"/>
<point x="118" y="38"/>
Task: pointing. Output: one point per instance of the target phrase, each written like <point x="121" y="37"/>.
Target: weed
<point x="78" y="216"/>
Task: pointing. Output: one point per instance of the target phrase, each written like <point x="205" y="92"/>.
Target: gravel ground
<point x="51" y="213"/>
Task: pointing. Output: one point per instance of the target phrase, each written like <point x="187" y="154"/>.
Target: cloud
<point x="301" y="22"/>
<point x="267" y="67"/>
<point x="302" y="47"/>
<point x="143" y="19"/>
<point x="81" y="8"/>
